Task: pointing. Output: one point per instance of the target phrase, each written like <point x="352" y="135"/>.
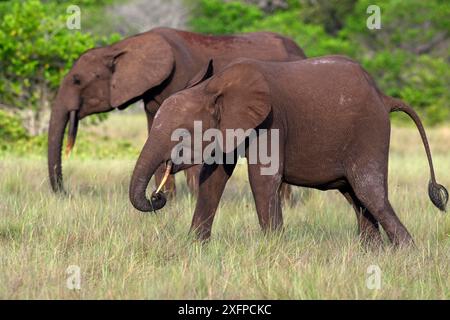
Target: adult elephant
<point x="149" y="66"/>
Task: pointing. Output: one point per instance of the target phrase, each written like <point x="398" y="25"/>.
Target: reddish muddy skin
<point x="334" y="134"/>
<point x="149" y="66"/>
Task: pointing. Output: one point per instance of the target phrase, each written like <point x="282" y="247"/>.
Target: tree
<point x="331" y="14"/>
<point x="218" y="17"/>
<point x="408" y="57"/>
<point x="269" y="5"/>
<point x="36" y="50"/>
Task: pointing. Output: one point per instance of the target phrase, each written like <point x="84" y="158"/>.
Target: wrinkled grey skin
<point x="334" y="131"/>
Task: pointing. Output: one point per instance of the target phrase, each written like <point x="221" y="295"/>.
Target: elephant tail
<point x="437" y="193"/>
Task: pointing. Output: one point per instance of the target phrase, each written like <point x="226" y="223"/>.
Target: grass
<point x="125" y="254"/>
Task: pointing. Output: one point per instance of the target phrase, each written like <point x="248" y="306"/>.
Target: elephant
<point x="150" y="66"/>
<point x="333" y="129"/>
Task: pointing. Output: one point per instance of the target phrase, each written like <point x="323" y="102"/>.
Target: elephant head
<point x="101" y="80"/>
<point x="235" y="98"/>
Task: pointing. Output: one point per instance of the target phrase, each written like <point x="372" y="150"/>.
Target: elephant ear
<point x="205" y="73"/>
<point x="139" y="64"/>
<point x="242" y="100"/>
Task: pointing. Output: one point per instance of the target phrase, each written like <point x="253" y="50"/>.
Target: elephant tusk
<point x="73" y="128"/>
<point x="166" y="176"/>
<point x="69" y="148"/>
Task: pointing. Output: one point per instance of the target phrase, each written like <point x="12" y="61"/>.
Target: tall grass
<point x="123" y="253"/>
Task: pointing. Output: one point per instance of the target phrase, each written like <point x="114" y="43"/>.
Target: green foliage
<point x="313" y="38"/>
<point x="81" y="3"/>
<point x="11" y="130"/>
<point x="36" y="51"/>
<point x="89" y="145"/>
<point x="408" y="56"/>
<point x="331" y="14"/>
<point x="16" y="140"/>
<point x="407" y="25"/>
<point x="427" y="87"/>
<point x="217" y="17"/>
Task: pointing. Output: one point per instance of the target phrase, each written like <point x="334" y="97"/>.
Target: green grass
<point x="123" y="253"/>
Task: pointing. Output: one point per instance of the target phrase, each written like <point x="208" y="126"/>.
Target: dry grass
<point x="125" y="254"/>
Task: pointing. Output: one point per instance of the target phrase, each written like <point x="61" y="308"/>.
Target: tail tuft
<point x="438" y="195"/>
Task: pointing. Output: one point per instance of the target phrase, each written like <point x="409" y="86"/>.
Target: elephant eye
<point x="76" y="80"/>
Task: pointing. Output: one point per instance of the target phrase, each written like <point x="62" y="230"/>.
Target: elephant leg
<point x="266" y="192"/>
<point x="169" y="187"/>
<point x="370" y="188"/>
<point x="368" y="226"/>
<point x="212" y="181"/>
<point x="192" y="178"/>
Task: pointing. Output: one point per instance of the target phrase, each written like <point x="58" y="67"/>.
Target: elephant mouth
<point x="158" y="200"/>
<point x="180" y="167"/>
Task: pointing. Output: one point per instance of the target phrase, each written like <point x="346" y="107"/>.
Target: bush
<point x="15" y="140"/>
<point x="312" y="38"/>
<point x="11" y="129"/>
<point x="408" y="57"/>
<point x="36" y="51"/>
<point x="217" y="17"/>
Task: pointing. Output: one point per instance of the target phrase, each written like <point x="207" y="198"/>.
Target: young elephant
<point x="334" y="130"/>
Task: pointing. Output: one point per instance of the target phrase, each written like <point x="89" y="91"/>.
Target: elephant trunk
<point x="64" y="111"/>
<point x="58" y="123"/>
<point x="149" y="161"/>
